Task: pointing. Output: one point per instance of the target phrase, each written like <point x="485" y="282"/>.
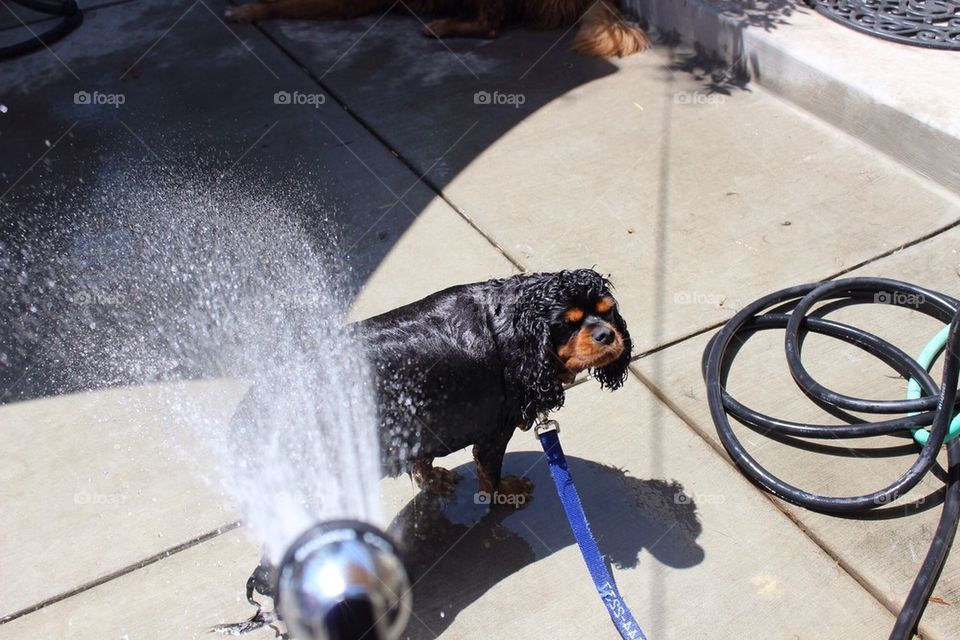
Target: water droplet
<point x="3" y="108"/>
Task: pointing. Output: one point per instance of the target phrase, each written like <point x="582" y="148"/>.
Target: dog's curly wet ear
<point x="534" y="366"/>
<point x="526" y="345"/>
<point x="614" y="374"/>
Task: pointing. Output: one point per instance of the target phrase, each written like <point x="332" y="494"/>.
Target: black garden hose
<point x="789" y="310"/>
<point x="71" y="14"/>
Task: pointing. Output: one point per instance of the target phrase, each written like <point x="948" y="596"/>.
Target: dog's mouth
<point x="598" y="356"/>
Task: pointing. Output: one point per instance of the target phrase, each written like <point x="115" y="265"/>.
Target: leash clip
<point x="545" y="426"/>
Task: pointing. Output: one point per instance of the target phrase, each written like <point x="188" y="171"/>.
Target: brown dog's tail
<point x="603" y="32"/>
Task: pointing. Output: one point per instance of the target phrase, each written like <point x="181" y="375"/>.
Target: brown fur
<point x="605" y="304"/>
<point x="507" y="486"/>
<point x="573" y="314"/>
<point x="602" y="30"/>
<point x="435" y="479"/>
<point x="582" y="352"/>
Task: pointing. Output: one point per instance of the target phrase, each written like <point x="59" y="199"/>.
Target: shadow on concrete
<point x="758" y="14"/>
<point x="457" y="550"/>
<point x="716" y="28"/>
<point x="165" y="89"/>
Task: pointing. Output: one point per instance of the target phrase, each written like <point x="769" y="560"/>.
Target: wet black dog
<point x="470" y="364"/>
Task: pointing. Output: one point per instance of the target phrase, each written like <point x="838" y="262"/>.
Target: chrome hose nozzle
<point x="343" y="580"/>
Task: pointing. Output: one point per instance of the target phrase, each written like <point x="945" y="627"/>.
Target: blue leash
<point x="626" y="624"/>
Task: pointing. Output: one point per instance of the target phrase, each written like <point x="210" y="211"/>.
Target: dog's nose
<point x="603" y="335"/>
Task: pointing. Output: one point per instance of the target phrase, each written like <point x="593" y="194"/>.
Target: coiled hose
<point x="789" y="310"/>
<point x="71" y="17"/>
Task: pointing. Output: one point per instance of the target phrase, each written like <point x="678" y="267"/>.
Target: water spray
<point x="343" y="580"/>
<point x="175" y="281"/>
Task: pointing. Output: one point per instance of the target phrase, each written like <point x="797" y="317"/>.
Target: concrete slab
<point x="353" y="168"/>
<point x="625" y="165"/>
<point x="93" y="485"/>
<point x="884" y="554"/>
<point x="217" y="118"/>
<point x="602" y="163"/>
<point x="677" y="523"/>
<point x="147" y="112"/>
<point x="79" y="456"/>
<point x="182" y="596"/>
<point x="427" y="97"/>
<point x="899" y="98"/>
<point x="438" y="250"/>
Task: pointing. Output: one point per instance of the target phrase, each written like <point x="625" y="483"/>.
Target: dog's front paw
<point x="514" y="491"/>
<point x="439" y="481"/>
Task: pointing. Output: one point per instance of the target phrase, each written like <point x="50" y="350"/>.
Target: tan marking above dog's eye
<point x="573" y="314"/>
<point x="605" y="304"/>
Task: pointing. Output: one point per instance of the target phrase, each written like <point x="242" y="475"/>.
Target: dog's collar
<point x="544" y="425"/>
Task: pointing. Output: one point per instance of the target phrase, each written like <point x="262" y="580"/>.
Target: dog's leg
<point x="511" y="490"/>
<point x="604" y="33"/>
<point x="486" y="25"/>
<point x="303" y="9"/>
<point x="433" y="479"/>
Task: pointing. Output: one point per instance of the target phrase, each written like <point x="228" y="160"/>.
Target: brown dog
<point x="602" y="30"/>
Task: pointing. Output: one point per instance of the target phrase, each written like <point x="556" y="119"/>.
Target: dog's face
<point x="562" y="323"/>
<point x="588" y="333"/>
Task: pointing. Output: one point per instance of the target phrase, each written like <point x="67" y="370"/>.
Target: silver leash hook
<point x="544" y="426"/>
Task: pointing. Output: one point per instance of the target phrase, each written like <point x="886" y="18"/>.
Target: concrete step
<point x="900" y="99"/>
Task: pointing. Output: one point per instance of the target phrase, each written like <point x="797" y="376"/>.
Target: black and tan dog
<point x="470" y="364"/>
<point x="602" y="32"/>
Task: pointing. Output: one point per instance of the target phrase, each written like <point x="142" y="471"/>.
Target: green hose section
<point x="926" y="358"/>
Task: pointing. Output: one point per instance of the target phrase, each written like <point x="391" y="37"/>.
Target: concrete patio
<point x="696" y="198"/>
